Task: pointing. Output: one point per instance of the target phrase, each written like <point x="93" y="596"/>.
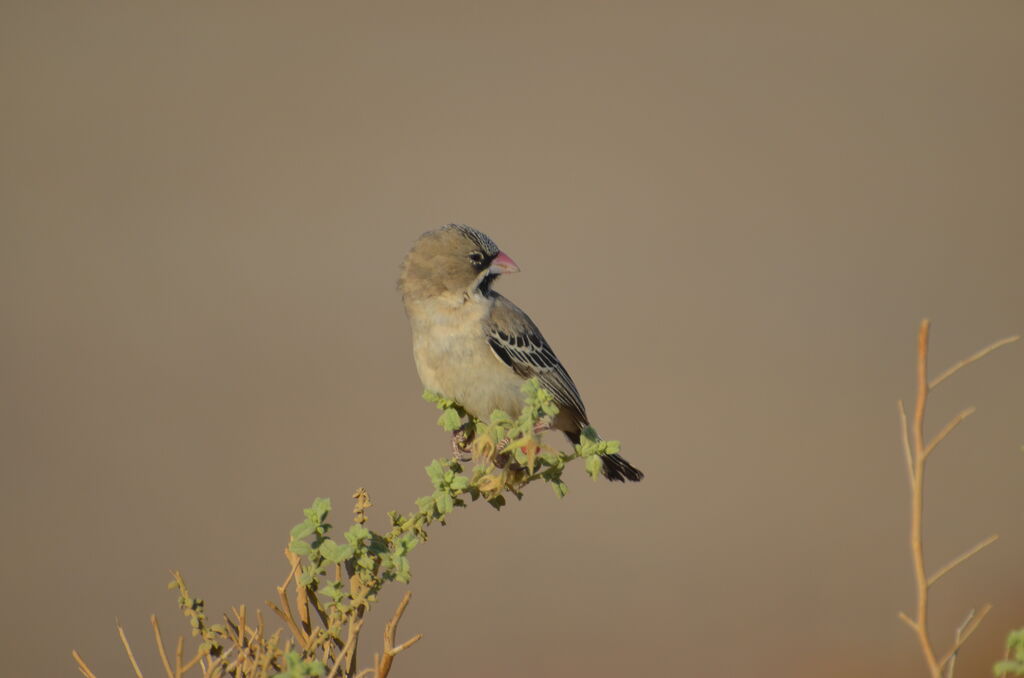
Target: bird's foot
<point x="460" y="445"/>
<point x="543" y="424"/>
<point x="501" y="455"/>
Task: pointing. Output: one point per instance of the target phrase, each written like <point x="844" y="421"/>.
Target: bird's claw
<point x="460" y="446"/>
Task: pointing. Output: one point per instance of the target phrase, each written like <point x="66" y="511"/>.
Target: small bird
<point x="476" y="347"/>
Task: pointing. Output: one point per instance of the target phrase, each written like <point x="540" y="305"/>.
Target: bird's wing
<point x="518" y="343"/>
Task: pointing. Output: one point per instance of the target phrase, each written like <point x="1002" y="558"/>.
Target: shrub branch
<point x="340" y="581"/>
<point x="916" y="453"/>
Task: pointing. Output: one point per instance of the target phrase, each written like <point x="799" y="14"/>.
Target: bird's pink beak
<point x="503" y="264"/>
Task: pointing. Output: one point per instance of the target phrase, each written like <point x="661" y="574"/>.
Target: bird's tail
<point x="613" y="466"/>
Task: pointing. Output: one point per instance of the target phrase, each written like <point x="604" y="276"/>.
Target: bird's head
<point x="452" y="259"/>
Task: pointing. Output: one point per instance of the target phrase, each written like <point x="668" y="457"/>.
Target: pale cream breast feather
<point x="453" y="357"/>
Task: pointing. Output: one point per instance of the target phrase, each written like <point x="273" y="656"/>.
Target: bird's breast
<point x="453" y="357"/>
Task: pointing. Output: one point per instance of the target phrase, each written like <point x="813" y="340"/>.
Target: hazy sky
<point x="730" y="218"/>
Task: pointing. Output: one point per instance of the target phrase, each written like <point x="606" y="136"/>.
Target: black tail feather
<point x="613" y="466"/>
<point x="616" y="468"/>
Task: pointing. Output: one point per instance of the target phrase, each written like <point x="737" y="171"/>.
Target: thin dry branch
<point x="962" y="638"/>
<point x="905" y="439"/>
<point x="947" y="429"/>
<point x="82" y="665"/>
<point x="920" y="625"/>
<point x="131" y="657"/>
<point x="285" y="611"/>
<point x="301" y="595"/>
<point x="973" y="358"/>
<point x="241" y="626"/>
<point x="957" y="639"/>
<point x="917" y="452"/>
<point x="961" y="558"/>
<point x="179" y="653"/>
<point x="388" y="655"/>
<point x="337" y="666"/>
<point x="160" y="646"/>
<point x="192" y="662"/>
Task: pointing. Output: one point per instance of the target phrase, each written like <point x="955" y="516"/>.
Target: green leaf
<point x="449" y="420"/>
<point x="334" y="552"/>
<point x="300" y="548"/>
<point x="549" y="457"/>
<point x="1009" y="666"/>
<point x="593" y="465"/>
<point x="435" y="471"/>
<point x="406" y="543"/>
<point x="321" y="506"/>
<point x="444" y="503"/>
<point x="303" y="529"/>
<point x="1015" y="642"/>
<point x="356" y="534"/>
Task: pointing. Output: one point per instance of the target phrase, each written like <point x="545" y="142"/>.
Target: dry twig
<point x="160" y="646"/>
<point x="383" y="666"/>
<point x="128" y="649"/>
<point x="916" y="452"/>
<point x="82" y="665"/>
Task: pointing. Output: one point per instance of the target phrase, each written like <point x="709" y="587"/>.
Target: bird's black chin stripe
<point x="486" y="282"/>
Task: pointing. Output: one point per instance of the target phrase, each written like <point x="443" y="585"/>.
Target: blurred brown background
<point x="730" y="218"/>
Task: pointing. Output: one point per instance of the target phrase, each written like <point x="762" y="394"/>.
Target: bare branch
<point x="192" y="662"/>
<point x="241" y="627"/>
<point x="390" y="630"/>
<point x="920" y="625"/>
<point x="179" y="653"/>
<point x="407" y="644"/>
<point x="160" y="646"/>
<point x="905" y="439"/>
<point x="128" y="649"/>
<point x="974" y="358"/>
<point x="285" y="611"/>
<point x="948" y="428"/>
<point x="951" y="666"/>
<point x="81" y="665"/>
<point x="917" y="453"/>
<point x="961" y="558"/>
<point x="337" y="665"/>
<point x="972" y="626"/>
<point x="301" y="595"/>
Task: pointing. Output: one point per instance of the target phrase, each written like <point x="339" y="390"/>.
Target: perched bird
<point x="476" y="347"/>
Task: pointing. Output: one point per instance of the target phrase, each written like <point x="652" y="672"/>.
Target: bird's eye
<point x="476" y="257"/>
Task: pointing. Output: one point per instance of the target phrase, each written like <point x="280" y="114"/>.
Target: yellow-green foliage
<point x="337" y="581"/>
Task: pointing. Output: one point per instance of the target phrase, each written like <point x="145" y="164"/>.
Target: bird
<point x="474" y="346"/>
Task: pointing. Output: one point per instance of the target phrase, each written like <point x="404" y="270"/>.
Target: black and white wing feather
<point x="515" y="339"/>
